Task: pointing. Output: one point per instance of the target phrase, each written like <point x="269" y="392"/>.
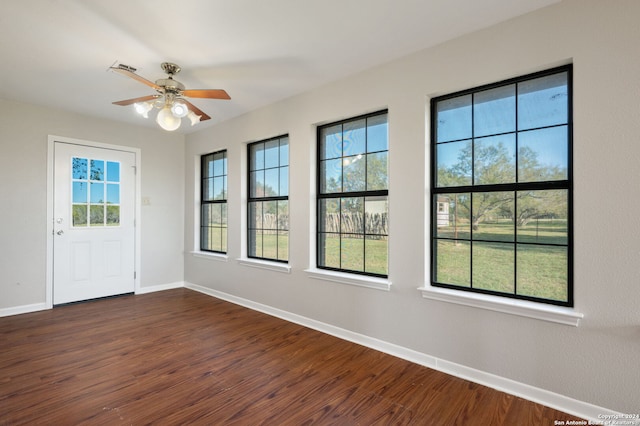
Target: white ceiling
<point x="56" y="53"/>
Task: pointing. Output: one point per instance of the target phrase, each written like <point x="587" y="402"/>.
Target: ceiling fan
<point x="170" y="97"/>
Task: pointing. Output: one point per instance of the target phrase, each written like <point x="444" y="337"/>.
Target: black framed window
<point x="501" y="188"/>
<point x="213" y="202"/>
<point x="268" y="201"/>
<point x="352" y="188"/>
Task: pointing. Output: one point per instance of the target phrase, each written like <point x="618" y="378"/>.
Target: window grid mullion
<point x="515" y="187"/>
<point x="338" y="196"/>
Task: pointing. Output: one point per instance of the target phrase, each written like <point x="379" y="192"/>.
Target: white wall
<point x="23" y="190"/>
<point x="597" y="362"/>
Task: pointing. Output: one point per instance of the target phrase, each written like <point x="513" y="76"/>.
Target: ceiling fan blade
<point x="206" y="93"/>
<point x="136" y="77"/>
<point x="196" y="110"/>
<point x="135" y="100"/>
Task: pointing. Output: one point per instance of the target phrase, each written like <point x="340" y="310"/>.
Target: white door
<point x="94" y="223"/>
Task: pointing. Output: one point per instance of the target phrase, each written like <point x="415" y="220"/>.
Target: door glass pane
<point x="113" y="215"/>
<point x="113" y="193"/>
<point x="97" y="193"/>
<point x="79" y="168"/>
<point x="113" y="171"/>
<point x="79" y="215"/>
<point x="97" y="170"/>
<point x="79" y="192"/>
<point x="97" y="215"/>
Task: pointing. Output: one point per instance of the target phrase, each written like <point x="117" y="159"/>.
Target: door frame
<point x="52" y="140"/>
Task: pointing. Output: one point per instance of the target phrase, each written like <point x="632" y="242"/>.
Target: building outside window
<point x="213" y="202"/>
<point x="501" y="188"/>
<point x="352" y="210"/>
<point x="268" y="201"/>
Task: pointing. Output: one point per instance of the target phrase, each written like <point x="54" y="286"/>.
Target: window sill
<point x="220" y="257"/>
<point x="523" y="308"/>
<point x="265" y="264"/>
<point x="351" y="279"/>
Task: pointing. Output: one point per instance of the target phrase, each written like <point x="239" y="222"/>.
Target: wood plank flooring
<point x="181" y="357"/>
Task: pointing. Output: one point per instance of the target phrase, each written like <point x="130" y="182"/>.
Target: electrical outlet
<point x="146" y="201"/>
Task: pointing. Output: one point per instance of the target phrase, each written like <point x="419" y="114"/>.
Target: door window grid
<point x="95" y="192"/>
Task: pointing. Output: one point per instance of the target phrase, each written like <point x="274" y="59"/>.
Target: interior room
<point x="292" y="70"/>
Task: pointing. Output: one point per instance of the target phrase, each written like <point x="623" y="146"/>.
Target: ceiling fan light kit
<point x="170" y="98"/>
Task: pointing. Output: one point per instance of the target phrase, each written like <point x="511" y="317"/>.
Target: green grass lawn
<point x="356" y="254"/>
<point x="490" y="265"/>
<point x="542" y="269"/>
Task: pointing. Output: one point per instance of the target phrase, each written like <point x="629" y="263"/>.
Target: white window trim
<point x="220" y="257"/>
<point x="351" y="279"/>
<point x="523" y="308"/>
<point x="265" y="264"/>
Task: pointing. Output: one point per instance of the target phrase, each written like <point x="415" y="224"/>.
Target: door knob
<point x="60" y="232"/>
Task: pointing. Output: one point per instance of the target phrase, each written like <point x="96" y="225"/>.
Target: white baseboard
<point x="17" y="310"/>
<point x="563" y="403"/>
<point x="25" y="309"/>
<point x="161" y="287"/>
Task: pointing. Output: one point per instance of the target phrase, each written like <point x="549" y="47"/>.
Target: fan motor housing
<point x="170" y="84"/>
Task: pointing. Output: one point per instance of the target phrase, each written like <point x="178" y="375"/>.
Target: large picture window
<point x="268" y="201"/>
<point x="352" y="227"/>
<point x="213" y="215"/>
<point x="501" y="188"/>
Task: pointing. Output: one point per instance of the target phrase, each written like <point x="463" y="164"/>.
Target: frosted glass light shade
<point x="143" y="108"/>
<point x="194" y="118"/>
<point x="179" y="109"/>
<point x="167" y="120"/>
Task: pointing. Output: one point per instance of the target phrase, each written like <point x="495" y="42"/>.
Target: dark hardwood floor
<point x="181" y="357"/>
